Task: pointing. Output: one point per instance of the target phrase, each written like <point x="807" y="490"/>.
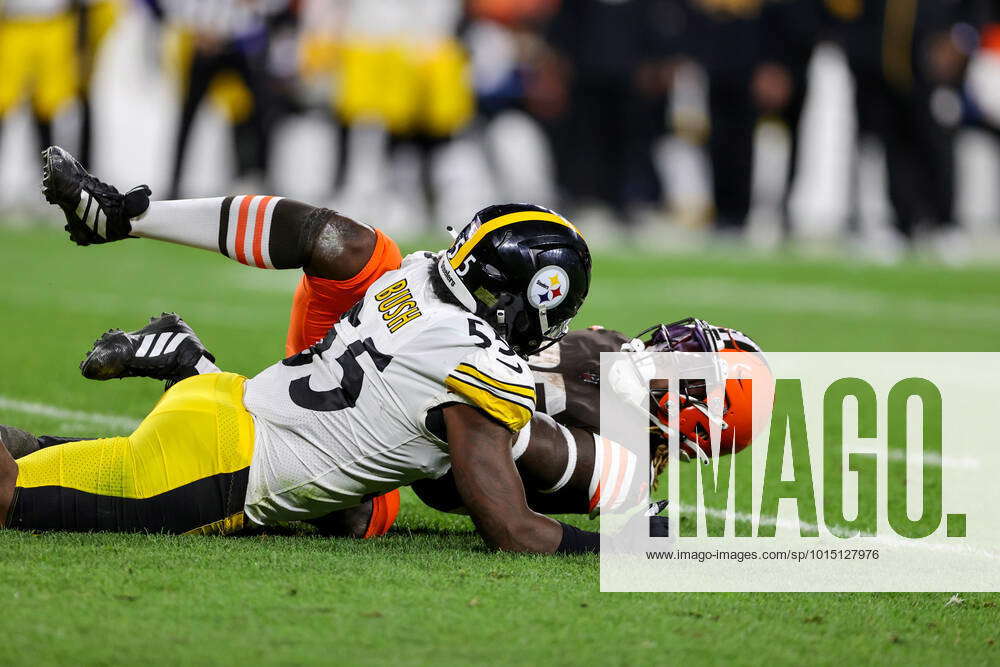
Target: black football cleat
<point x="95" y="211"/>
<point x="165" y="349"/>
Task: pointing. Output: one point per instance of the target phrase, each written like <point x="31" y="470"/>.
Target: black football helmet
<point x="522" y="268"/>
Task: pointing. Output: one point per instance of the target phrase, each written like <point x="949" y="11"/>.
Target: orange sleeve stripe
<point x="600" y="454"/>
<point x="258" y="231"/>
<point x="594" y="499"/>
<point x="241" y="230"/>
<point x="622" y="469"/>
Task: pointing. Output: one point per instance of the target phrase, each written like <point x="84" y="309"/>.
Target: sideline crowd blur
<point x="602" y="81"/>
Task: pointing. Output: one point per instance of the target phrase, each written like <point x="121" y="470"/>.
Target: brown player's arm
<point x="491" y="489"/>
<point x="544" y="465"/>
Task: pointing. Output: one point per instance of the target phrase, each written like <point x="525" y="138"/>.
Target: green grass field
<point x="430" y="593"/>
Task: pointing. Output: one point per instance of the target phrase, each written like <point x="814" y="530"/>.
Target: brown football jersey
<point x="567" y="376"/>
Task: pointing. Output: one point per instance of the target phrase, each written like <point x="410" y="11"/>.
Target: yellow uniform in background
<point x="38" y="55"/>
<point x="393" y="63"/>
<point x="183" y="470"/>
<point x="406" y="87"/>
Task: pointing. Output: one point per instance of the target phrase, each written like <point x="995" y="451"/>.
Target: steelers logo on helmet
<point x="548" y="287"/>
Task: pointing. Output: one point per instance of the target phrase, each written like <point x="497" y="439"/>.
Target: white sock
<point x="205" y="366"/>
<point x="190" y="222"/>
<point x="237" y="227"/>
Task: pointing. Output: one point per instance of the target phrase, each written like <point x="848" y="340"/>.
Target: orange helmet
<point x="703" y="403"/>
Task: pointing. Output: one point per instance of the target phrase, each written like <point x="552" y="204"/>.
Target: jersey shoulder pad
<point x="498" y="382"/>
<point x="419" y="257"/>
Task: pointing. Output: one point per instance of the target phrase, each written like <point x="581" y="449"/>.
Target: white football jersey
<point x="348" y="418"/>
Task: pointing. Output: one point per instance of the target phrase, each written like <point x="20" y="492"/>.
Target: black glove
<point x="659" y="526"/>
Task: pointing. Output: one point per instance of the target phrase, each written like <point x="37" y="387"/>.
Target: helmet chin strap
<point x="543" y="318"/>
<point x="455" y="285"/>
<point x="502" y="323"/>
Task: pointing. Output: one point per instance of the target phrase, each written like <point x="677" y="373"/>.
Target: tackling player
<point x="564" y="465"/>
<point x="423" y="373"/>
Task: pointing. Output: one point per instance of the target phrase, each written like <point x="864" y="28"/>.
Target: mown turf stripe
<point x="119" y="422"/>
<point x="825" y="299"/>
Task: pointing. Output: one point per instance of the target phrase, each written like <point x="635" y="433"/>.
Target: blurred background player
<point x="402" y="90"/>
<point x="756" y="57"/>
<point x="725" y="39"/>
<point x="789" y="33"/>
<point x="643" y="115"/>
<point x="39" y="60"/>
<point x="97" y="18"/>
<point x="906" y="64"/>
<point x="225" y="44"/>
<point x="614" y="61"/>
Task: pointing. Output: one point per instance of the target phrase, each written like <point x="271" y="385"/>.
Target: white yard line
<point x="119" y="422"/>
<point x="959" y="463"/>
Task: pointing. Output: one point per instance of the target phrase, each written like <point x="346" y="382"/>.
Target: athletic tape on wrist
<point x="570" y="461"/>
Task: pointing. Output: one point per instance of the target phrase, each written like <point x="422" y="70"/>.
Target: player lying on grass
<point x="563" y="462"/>
<point x="423" y="374"/>
<point x="562" y="468"/>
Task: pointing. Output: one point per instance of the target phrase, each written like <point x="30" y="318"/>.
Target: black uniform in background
<point x="790" y="31"/>
<point x="603" y="142"/>
<point x="726" y="38"/>
<point x="252" y="137"/>
<point x="229" y="36"/>
<point x="888" y="45"/>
